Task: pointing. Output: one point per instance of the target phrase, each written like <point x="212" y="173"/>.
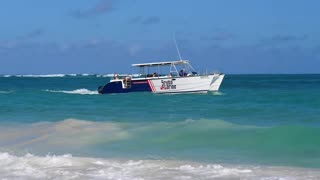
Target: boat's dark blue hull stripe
<point x="116" y="87"/>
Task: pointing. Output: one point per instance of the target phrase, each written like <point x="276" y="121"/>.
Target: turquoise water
<point x="255" y="120"/>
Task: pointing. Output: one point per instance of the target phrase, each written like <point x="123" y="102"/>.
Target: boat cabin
<point x="155" y="69"/>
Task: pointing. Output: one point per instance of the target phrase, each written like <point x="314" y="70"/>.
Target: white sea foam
<point x="30" y="166"/>
<point x="217" y="93"/>
<point x="77" y="91"/>
<point x="121" y="75"/>
<point x="43" y="75"/>
<point x="71" y="74"/>
<point x="105" y="75"/>
<point x="85" y="74"/>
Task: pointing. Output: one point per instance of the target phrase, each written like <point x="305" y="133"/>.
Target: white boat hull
<point x="216" y="82"/>
<point x="190" y="84"/>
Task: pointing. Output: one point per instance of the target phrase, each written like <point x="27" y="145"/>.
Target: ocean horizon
<point x="258" y="126"/>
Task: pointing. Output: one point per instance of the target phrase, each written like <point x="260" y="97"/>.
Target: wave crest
<point x="183" y="139"/>
<point x="62" y="134"/>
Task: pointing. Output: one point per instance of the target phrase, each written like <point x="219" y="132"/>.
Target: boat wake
<point x="217" y="93"/>
<point x="37" y="76"/>
<point x="5" y="92"/>
<point x="77" y="91"/>
<point x="46" y="75"/>
<point x="65" y="75"/>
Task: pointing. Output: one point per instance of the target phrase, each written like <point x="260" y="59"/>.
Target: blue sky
<point x="106" y="36"/>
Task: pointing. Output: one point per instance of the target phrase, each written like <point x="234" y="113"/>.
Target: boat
<point x="186" y="80"/>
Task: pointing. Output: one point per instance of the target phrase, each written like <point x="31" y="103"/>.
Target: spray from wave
<point x="77" y="91"/>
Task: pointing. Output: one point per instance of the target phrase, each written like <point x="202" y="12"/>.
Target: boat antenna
<point x="175" y="42"/>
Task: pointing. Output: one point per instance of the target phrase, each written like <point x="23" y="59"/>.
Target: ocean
<point x="256" y="127"/>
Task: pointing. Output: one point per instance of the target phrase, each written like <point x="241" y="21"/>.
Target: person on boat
<point x="115" y="76"/>
<point x="182" y="73"/>
<point x="155" y="74"/>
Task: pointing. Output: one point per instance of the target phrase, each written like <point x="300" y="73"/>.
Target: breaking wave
<point x="202" y="140"/>
<point x="69" y="135"/>
<point x="30" y="166"/>
<point x="77" y="91"/>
